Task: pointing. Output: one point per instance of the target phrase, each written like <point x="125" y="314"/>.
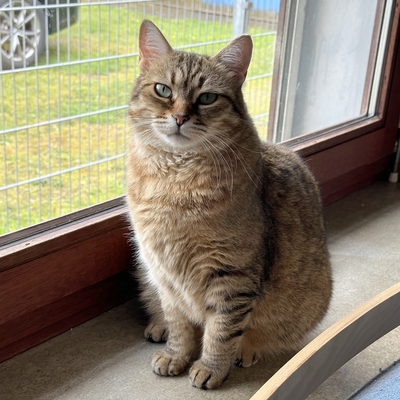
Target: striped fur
<point x="228" y="229"/>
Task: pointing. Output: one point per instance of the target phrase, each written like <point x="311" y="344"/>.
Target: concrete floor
<point x="108" y="359"/>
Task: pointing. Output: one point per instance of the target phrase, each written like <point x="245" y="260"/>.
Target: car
<point x="23" y="28"/>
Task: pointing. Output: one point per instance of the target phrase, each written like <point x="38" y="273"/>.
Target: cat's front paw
<point x="156" y="333"/>
<point x="204" y="377"/>
<point x="167" y="364"/>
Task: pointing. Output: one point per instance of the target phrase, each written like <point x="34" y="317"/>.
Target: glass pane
<point x="331" y="69"/>
<point x="65" y="83"/>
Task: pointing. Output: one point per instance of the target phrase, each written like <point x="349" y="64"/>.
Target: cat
<point x="229" y="231"/>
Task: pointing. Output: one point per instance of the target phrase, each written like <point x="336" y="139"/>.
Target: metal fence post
<point x="241" y="13"/>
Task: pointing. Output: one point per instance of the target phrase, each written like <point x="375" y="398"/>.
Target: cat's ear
<point x="236" y="56"/>
<point x="152" y="44"/>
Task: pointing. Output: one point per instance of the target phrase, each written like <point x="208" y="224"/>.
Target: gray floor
<point x="107" y="358"/>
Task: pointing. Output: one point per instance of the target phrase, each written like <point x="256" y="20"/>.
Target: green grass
<point x="84" y="88"/>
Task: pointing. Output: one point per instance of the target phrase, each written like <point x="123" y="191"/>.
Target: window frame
<point x="324" y="139"/>
<point x="53" y="280"/>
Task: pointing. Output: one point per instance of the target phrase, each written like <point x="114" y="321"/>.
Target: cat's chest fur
<point x="186" y="221"/>
<point x="176" y="186"/>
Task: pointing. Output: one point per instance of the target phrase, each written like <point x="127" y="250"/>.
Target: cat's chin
<point x="177" y="143"/>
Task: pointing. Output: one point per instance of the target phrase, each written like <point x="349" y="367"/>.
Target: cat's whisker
<point x="244" y="163"/>
<point x="239" y="157"/>
<point x="218" y="171"/>
<point x="227" y="166"/>
<point x="225" y="163"/>
<point x="218" y="155"/>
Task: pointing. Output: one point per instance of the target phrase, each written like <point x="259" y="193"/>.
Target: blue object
<point x="264" y="5"/>
<point x="386" y="386"/>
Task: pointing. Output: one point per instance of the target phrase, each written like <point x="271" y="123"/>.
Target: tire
<point x="21" y="44"/>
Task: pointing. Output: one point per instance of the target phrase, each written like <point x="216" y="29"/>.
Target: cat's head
<point x="186" y="101"/>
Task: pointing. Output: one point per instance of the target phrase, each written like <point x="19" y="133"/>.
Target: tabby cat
<point x="229" y="233"/>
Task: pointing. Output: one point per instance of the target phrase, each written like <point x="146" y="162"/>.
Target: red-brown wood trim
<point x="350" y="166"/>
<point x="62" y="236"/>
<point x="314" y="143"/>
<point x="58" y="274"/>
<point x="62" y="278"/>
<point x="352" y="181"/>
<point x="342" y="159"/>
<point x="32" y="328"/>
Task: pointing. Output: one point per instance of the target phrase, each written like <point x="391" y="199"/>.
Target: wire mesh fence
<point x="65" y="78"/>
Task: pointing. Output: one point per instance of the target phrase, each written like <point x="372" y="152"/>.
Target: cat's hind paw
<point x="249" y="351"/>
<point x="166" y="364"/>
<point x="204" y="377"/>
<point x="156" y="333"/>
<point x="246" y="356"/>
<point x="246" y="360"/>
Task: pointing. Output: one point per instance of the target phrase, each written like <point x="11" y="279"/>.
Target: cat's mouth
<point x="176" y="137"/>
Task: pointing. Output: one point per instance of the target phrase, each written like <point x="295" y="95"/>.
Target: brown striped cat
<point x="229" y="232"/>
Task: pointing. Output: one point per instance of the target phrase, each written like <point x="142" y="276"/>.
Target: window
<point x="332" y="65"/>
<point x="65" y="90"/>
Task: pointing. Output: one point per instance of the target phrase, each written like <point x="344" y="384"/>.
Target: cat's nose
<point x="180" y="118"/>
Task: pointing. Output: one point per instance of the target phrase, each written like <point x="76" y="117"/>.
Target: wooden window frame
<point x="73" y="271"/>
<point x="351" y="156"/>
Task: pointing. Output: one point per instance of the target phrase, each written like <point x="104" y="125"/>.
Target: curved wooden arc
<point x="309" y="368"/>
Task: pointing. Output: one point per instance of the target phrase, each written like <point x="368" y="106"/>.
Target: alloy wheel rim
<point x="19" y="31"/>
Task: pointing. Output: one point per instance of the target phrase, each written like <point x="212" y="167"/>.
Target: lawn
<point x="75" y="162"/>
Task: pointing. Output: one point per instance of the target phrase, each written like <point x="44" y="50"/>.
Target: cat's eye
<point x="207" y="98"/>
<point x="163" y="90"/>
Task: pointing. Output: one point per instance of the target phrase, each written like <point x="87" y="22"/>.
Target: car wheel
<point x="22" y="33"/>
